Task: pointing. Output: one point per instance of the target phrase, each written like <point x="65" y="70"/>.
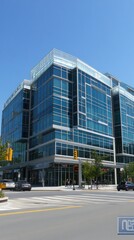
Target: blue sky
<point x="99" y="32"/>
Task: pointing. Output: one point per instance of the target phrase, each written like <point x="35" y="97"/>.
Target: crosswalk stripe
<point x="103" y="195"/>
<point x="46" y="198"/>
<point x="9" y="208"/>
<point x="84" y="199"/>
<point x="91" y="198"/>
<point x="104" y="198"/>
<point x="60" y="198"/>
<point x="73" y="198"/>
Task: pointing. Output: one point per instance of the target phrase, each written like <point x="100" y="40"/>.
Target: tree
<point x="97" y="166"/>
<point x="93" y="170"/>
<point x="3" y="152"/>
<point x="130" y="170"/>
<point x="124" y="173"/>
<point x="88" y="171"/>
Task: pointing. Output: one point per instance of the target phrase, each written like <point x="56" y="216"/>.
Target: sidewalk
<point x="76" y="187"/>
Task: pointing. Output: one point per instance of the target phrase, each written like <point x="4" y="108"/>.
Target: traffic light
<point x="10" y="158"/>
<point x="9" y="154"/>
<point x="75" y="154"/>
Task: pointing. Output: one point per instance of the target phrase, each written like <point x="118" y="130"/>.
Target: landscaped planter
<point x="4" y="199"/>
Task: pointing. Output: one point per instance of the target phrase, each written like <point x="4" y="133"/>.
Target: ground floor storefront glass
<point x="65" y="174"/>
<point x="57" y="174"/>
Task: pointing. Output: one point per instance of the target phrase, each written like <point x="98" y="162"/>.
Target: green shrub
<point x="2" y="194"/>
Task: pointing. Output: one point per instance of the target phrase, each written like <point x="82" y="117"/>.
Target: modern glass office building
<point x="15" y="125"/>
<point x="123" y="107"/>
<point x="67" y="105"/>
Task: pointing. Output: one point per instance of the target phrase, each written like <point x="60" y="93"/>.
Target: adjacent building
<point x="67" y="105"/>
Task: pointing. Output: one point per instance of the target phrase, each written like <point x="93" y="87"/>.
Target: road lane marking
<point x="39" y="210"/>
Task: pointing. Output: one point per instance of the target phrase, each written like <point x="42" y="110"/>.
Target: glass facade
<point x="123" y="105"/>
<point x="15" y="124"/>
<point x="95" y="105"/>
<point x="68" y="105"/>
<point x="55" y="105"/>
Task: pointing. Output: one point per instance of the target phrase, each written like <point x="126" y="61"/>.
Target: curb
<point x="70" y="189"/>
<point x="2" y="200"/>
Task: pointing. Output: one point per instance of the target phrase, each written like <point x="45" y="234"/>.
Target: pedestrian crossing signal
<point x="75" y="154"/>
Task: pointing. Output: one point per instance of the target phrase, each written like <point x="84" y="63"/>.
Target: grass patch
<point x="2" y="194"/>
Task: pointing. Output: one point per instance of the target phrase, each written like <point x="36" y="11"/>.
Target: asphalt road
<point x="96" y="220"/>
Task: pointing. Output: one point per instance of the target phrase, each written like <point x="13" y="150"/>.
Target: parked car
<point x="8" y="184"/>
<point x="22" y="185"/>
<point x="125" y="186"/>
